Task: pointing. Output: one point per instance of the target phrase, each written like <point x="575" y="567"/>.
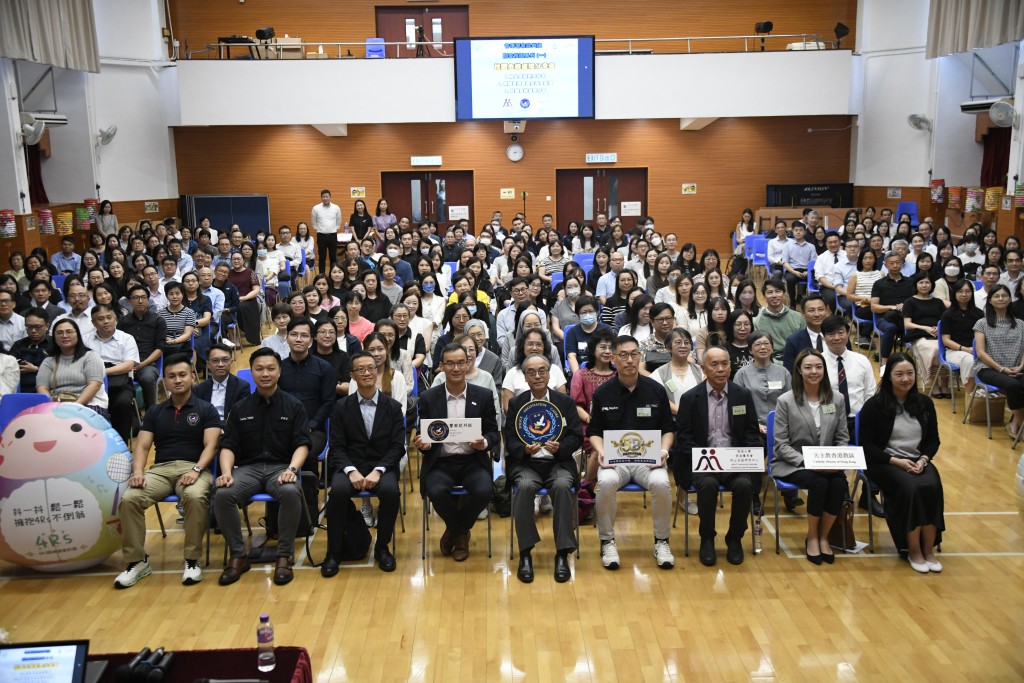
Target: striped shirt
<point x="177" y="322"/>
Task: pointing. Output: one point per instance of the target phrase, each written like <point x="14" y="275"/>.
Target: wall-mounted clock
<point x="514" y="152"/>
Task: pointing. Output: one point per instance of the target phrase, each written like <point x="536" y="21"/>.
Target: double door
<point x="411" y="24"/>
<point x="583" y="193"/>
<point x="443" y="196"/>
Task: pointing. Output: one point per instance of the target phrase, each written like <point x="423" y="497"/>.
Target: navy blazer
<point x="351" y="446"/>
<point x="692" y="426"/>
<point x="236" y="390"/>
<point x="433" y="403"/>
<point x="795" y="343"/>
<point x="568" y="443"/>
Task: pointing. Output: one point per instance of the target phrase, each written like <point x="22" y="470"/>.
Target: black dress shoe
<point x="734" y="552"/>
<point x="793" y="502"/>
<point x="525" y="573"/>
<point x="813" y="559"/>
<point x="562" y="572"/>
<point x="871" y="504"/>
<point x="329" y="568"/>
<point x="385" y="560"/>
<point x="708" y="555"/>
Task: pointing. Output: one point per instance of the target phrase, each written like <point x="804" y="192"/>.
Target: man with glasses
<point x="216" y="297"/>
<point x="66" y="261"/>
<point x="631" y="401"/>
<point x="150" y="333"/>
<point x="550" y="465"/>
<point x="506" y="318"/>
<point x="1011" y="278"/>
<point x="653" y="349"/>
<point x="222" y="389"/>
<point x="39" y="292"/>
<point x="120" y="354"/>
<point x="448" y="465"/>
<point x="367" y="444"/>
<point x="12" y="325"/>
<point x="31" y="350"/>
<point x="78" y="300"/>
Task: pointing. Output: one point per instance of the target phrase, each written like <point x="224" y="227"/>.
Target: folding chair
<point x="174" y="499"/>
<point x="565" y="349"/>
<point x="586" y="262"/>
<point x="862" y="480"/>
<point x="721" y="503"/>
<point x="990" y="390"/>
<point x="267" y="498"/>
<point x="457" y="491"/>
<point x="245" y="374"/>
<point x="542" y="492"/>
<point x="953" y="368"/>
<point x="812" y="284"/>
<point x="556" y="278"/>
<point x="759" y="251"/>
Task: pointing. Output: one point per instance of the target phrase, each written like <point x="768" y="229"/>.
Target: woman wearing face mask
<point x="746" y="298"/>
<point x="432" y="304"/>
<point x="669" y="292"/>
<point x="393" y="250"/>
<point x="577" y="339"/>
<point x="564" y="313"/>
<point x="970" y="256"/>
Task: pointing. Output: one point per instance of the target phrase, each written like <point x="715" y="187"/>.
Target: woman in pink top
<point x="596" y="372"/>
<point x="358" y="326"/>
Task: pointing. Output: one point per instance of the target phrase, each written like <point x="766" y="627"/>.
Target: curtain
<point x="962" y="25"/>
<point x="55" y="32"/>
<point x="995" y="158"/>
<point x="33" y="160"/>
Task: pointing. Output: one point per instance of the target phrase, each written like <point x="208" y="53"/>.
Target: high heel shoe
<point x="813" y="559"/>
<point x="827" y="558"/>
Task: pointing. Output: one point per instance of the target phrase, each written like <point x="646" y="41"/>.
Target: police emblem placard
<point x="632" y="447"/>
<point x="455" y="430"/>
<point x="539" y="422"/>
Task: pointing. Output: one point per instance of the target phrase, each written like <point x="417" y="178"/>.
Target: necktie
<point x="817" y="344"/>
<point x="844" y="386"/>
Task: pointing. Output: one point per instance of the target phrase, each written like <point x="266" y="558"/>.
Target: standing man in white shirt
<point x="326" y="221"/>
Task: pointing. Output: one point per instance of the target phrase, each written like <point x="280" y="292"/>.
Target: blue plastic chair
<point x="12" y="404"/>
<point x="375" y="48"/>
<point x="953" y="368"/>
<point x="990" y="390"/>
<point x="978" y="284"/>
<point x="245" y="374"/>
<point x="777" y="484"/>
<point x="907" y="207"/>
<point x="457" y="491"/>
<point x="759" y="252"/>
<point x="565" y="349"/>
<point x="556" y="278"/>
<point x="542" y="492"/>
<point x="812" y="284"/>
<point x="586" y="261"/>
<point x="862" y="479"/>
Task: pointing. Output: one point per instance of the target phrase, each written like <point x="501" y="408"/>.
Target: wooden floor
<point x="776" y="617"/>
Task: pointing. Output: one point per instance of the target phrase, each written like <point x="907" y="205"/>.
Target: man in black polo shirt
<point x="185" y="430"/>
<point x="31" y="350"/>
<point x="266" y="441"/>
<point x="887" y="297"/>
<point x="631" y="401"/>
<point x="310" y="379"/>
<point x="150" y="332"/>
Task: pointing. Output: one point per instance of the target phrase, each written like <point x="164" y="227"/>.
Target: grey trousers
<point x="558" y="482"/>
<point x="249" y="480"/>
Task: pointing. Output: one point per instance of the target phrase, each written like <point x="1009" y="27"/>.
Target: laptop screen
<point x="56" y="662"/>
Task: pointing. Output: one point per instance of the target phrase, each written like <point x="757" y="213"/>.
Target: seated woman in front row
<point x="900" y="435"/>
<point x="812" y="415"/>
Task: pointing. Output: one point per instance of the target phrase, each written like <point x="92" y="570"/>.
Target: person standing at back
<point x="326" y="220"/>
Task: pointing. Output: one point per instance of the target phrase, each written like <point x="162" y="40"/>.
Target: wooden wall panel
<point x="198" y="22"/>
<point x="732" y="161"/>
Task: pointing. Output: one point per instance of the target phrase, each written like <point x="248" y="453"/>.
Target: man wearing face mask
<point x="403" y="271"/>
<point x="487" y="239"/>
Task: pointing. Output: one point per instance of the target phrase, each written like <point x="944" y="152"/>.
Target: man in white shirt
<point x="326" y="221"/>
<point x="119" y="353"/>
<point x="151" y="278"/>
<point x="291" y="249"/>
<point x="216" y="298"/>
<point x="844" y="270"/>
<point x="183" y="262"/>
<point x="777" y="249"/>
<point x="78" y="299"/>
<point x="506" y="318"/>
<point x="990" y="278"/>
<point x="606" y="284"/>
<point x="169" y="268"/>
<point x="12" y="325"/>
<point x="1011" y="278"/>
<point x="824" y="269"/>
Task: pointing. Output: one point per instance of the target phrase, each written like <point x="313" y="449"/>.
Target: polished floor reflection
<point x="776" y="617"/>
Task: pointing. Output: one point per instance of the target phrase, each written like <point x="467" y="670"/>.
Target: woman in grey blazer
<point x="810" y="415"/>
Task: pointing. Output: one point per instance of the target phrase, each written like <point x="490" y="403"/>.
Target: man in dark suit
<point x="549" y="464"/>
<point x="221" y="388"/>
<point x="367" y="443"/>
<point x="719" y="413"/>
<point x="447" y="465"/>
<point x="815" y="311"/>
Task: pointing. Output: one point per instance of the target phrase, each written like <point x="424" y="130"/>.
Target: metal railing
<point x="603" y="46"/>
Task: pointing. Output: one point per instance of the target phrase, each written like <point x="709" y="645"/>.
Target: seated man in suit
<point x="815" y="311"/>
<point x="267" y="437"/>
<point x="550" y="465"/>
<point x="367" y="443"/>
<point x="631" y="401"/>
<point x="719" y="413"/>
<point x="221" y="388"/>
<point x="447" y="465"/>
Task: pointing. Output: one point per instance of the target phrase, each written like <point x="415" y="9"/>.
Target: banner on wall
<point x="993" y="198"/>
<point x="975" y="199"/>
<point x="938" y="190"/>
<point x="1018" y="196"/>
<point x="956" y="198"/>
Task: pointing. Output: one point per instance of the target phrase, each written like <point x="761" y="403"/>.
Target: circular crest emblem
<point x="539" y="422"/>
<point x="437" y="430"/>
<point x="192" y="419"/>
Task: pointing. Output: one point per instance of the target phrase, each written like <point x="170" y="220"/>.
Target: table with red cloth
<point x="293" y="665"/>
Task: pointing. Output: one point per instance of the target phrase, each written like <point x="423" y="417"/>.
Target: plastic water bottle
<point x="757" y="535"/>
<point x="265" y="642"/>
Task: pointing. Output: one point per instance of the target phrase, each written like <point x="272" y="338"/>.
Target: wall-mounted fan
<point x="1003" y="114"/>
<point x="106" y="135"/>
<point x="919" y="122"/>
<point x="31" y="129"/>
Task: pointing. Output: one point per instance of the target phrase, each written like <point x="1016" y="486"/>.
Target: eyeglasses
<point x="35" y="327"/>
<point x="457" y="365"/>
<point x="540" y="372"/>
<point x="219" y="361"/>
<point x="298" y="335"/>
<point x="365" y="370"/>
<point x="665" y="319"/>
<point x="624" y="355"/>
<point x="761" y="344"/>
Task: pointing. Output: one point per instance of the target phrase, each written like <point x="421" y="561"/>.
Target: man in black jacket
<point x="222" y="388"/>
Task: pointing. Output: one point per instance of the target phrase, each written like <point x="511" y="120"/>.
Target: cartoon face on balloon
<point x="61" y="471"/>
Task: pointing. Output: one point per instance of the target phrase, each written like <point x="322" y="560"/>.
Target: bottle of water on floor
<point x="265" y="642"/>
<point x="757" y="535"/>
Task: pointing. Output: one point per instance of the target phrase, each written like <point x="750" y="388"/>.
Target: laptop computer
<point x="49" y="662"/>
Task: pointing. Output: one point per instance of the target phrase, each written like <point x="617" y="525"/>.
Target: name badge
<point x="774" y="385"/>
<point x="643" y="412"/>
<point x="739" y="410"/>
<point x="671" y="386"/>
<point x="829" y="409"/>
<point x="582" y="346"/>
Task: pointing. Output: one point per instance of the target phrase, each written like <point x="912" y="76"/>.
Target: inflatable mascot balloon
<point x="62" y="470"/>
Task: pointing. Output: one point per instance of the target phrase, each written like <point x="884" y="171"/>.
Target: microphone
<point x="158" y="672"/>
<point x="141" y="670"/>
<point x="231" y="680"/>
<point x="123" y="673"/>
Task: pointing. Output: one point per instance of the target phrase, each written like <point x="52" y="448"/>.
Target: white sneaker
<point x="135" y="571"/>
<point x="545" y="505"/>
<point x="881" y="371"/>
<point x="609" y="555"/>
<point x="483" y="514"/>
<point x="688" y="504"/>
<point x="193" y="573"/>
<point x="367" y="510"/>
<point x="663" y="555"/>
<point x="536" y="506"/>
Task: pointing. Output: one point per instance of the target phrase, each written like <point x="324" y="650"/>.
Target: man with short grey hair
<point x="902" y="247"/>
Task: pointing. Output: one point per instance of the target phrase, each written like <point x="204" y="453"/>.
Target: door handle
<point x="432" y="207"/>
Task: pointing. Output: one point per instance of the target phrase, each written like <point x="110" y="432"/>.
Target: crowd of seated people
<point x="408" y="321"/>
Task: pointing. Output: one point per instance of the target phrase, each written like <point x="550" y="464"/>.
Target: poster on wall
<point x="894" y="193"/>
<point x="956" y="198"/>
<point x="1007" y="203"/>
<point x="357" y="192"/>
<point x="975" y="199"/>
<point x="630" y="209"/>
<point x="938" y="189"/>
<point x="458" y="213"/>
<point x="1018" y="196"/>
<point x="689" y="188"/>
<point x="993" y="198"/>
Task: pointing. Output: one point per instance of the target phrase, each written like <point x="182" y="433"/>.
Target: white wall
<point x="627" y="86"/>
<point x="69" y="174"/>
<point x="13" y="173"/>
<point x="957" y="157"/>
<point x="129" y="28"/>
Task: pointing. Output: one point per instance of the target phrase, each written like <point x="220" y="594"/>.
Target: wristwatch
<point x="293" y="470"/>
<point x="197" y="469"/>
